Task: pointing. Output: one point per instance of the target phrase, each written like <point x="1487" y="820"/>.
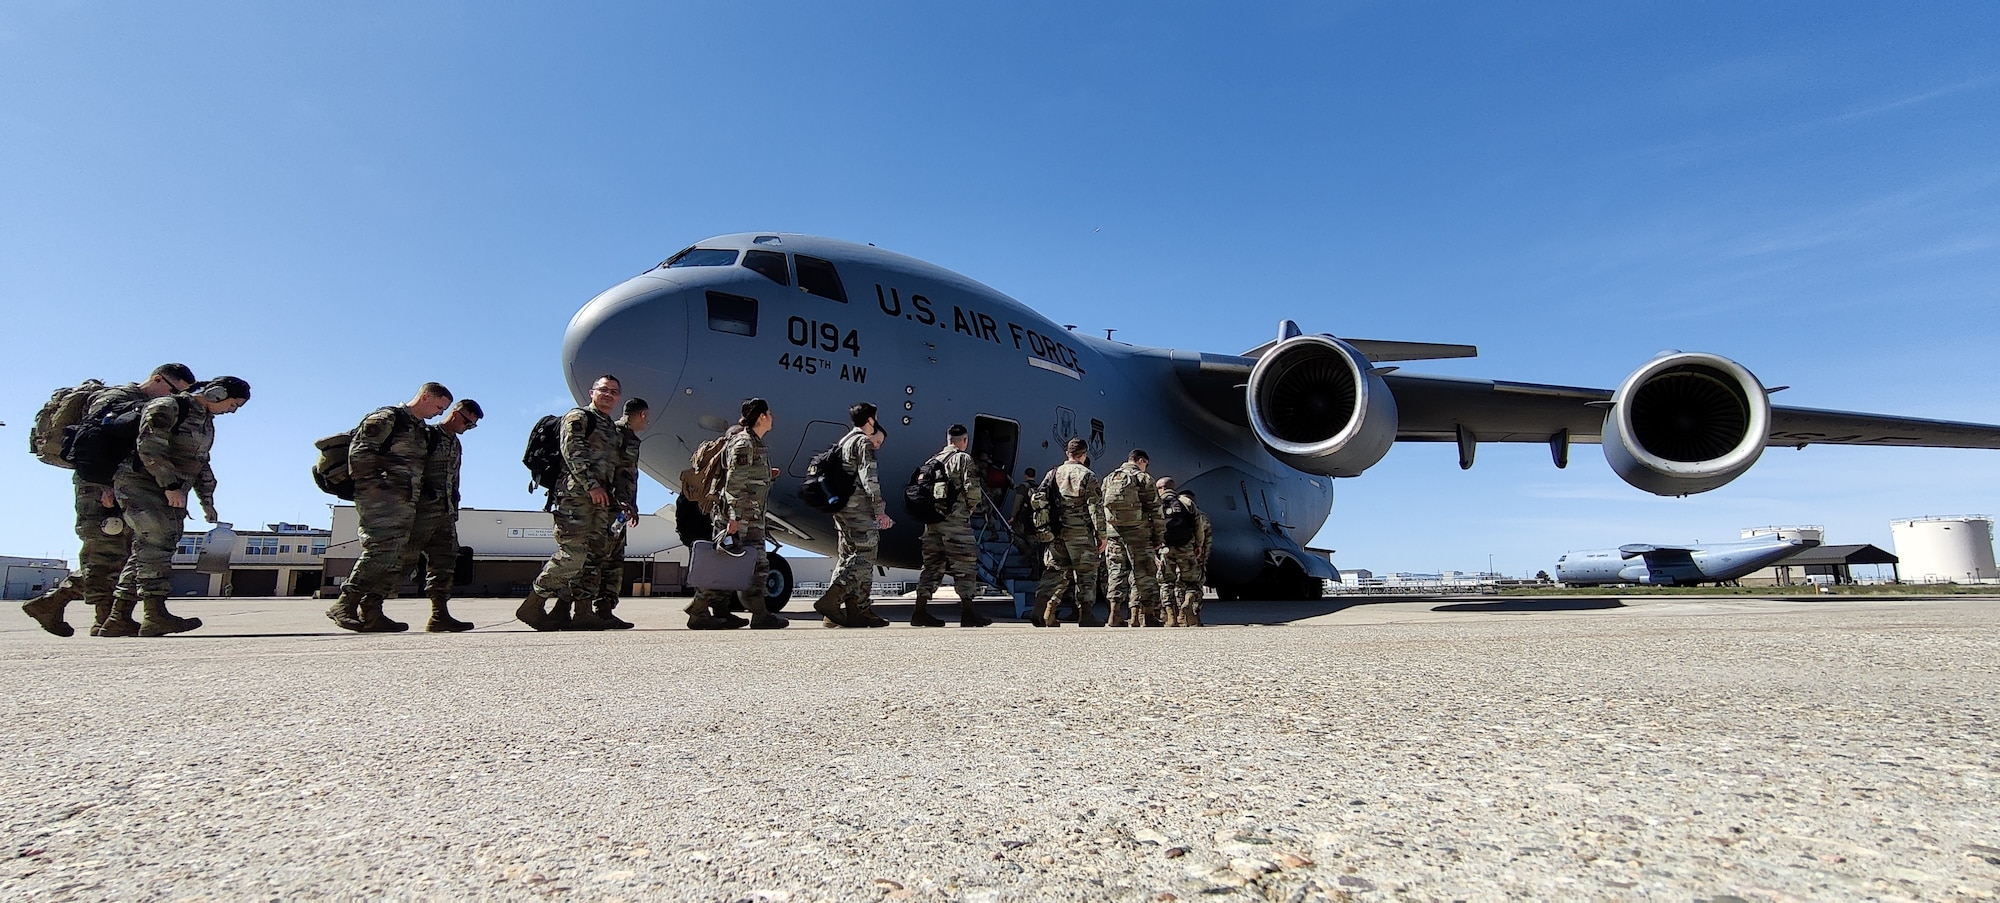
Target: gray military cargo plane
<point x="815" y="324"/>
<point x="1687" y="565"/>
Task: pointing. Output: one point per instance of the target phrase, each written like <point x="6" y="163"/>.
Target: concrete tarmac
<point x="1569" y="748"/>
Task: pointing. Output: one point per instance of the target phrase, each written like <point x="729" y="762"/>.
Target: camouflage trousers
<point x="388" y="520"/>
<point x="434" y="536"/>
<point x="750" y="535"/>
<point x="156" y="528"/>
<point x="604" y="579"/>
<point x="856" y="539"/>
<point x="1181" y="576"/>
<point x="1071" y="562"/>
<point x="583" y="532"/>
<point x="102" y="557"/>
<point x="1133" y="578"/>
<point x="949" y="548"/>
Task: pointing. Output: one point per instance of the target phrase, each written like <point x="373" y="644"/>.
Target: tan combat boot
<point x="160" y="622"/>
<point x="374" y="621"/>
<point x="47" y="610"/>
<point x="921" y="617"/>
<point x="120" y="622"/>
<point x="829" y="605"/>
<point x="611" y="621"/>
<point x="103" y="614"/>
<point x="1118" y="618"/>
<point x="345" y="612"/>
<point x="584" y="617"/>
<point x="441" y="620"/>
<point x="1086" y="614"/>
<point x="531" y="612"/>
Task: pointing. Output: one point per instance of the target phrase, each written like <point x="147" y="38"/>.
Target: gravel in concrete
<point x="1436" y="749"/>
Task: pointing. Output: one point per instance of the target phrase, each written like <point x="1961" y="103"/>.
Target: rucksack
<point x="544" y="458"/>
<point x="1045" y="510"/>
<point x="828" y="484"/>
<point x="1121" y="489"/>
<point x="702" y="481"/>
<point x="64" y="409"/>
<point x="96" y="447"/>
<point x="330" y="470"/>
<point x="1180" y="521"/>
<point x="929" y="496"/>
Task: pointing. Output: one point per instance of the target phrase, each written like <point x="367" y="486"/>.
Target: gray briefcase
<point x="713" y="567"/>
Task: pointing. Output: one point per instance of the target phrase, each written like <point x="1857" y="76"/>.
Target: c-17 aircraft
<point x="815" y="324"/>
<point x="1685" y="565"/>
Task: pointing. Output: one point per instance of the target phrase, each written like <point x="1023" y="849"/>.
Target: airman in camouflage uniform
<point x="1131" y="560"/>
<point x="604" y="579"/>
<point x="171" y="457"/>
<point x="857" y="527"/>
<point x="583" y="510"/>
<point x="949" y="546"/>
<point x="739" y="512"/>
<point x="1071" y="558"/>
<point x="434" y="535"/>
<point x="103" y="554"/>
<point x="387" y="457"/>
<point x="1183" y="568"/>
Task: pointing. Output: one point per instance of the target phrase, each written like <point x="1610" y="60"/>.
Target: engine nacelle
<point x="1319" y="406"/>
<point x="1686" y="423"/>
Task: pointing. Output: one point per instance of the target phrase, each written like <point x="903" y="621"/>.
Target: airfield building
<point x="1957" y="549"/>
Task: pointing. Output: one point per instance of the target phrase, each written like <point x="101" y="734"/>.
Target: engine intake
<point x="1686" y="423"/>
<point x="1318" y="405"/>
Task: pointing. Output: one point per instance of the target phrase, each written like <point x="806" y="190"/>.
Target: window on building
<point x="818" y="277"/>
<point x="319" y="547"/>
<point x="261" y="545"/>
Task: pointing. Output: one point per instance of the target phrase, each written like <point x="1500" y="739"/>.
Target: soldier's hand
<point x="105" y="500"/>
<point x="1101" y="545"/>
<point x="883" y="521"/>
<point x="732" y="527"/>
<point x="208" y="512"/>
<point x="599" y="497"/>
<point x="177" y="498"/>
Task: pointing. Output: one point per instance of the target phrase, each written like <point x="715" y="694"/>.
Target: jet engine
<point x="1686" y="423"/>
<point x="1317" y="403"/>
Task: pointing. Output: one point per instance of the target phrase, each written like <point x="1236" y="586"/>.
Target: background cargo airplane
<point x="815" y="324"/>
<point x="1687" y="565"/>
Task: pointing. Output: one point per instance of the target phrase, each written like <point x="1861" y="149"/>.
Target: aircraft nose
<point x="636" y="331"/>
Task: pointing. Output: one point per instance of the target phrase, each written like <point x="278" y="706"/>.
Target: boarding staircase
<point x="1002" y="564"/>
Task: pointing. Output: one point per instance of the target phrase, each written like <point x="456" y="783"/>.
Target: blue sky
<point x="340" y="201"/>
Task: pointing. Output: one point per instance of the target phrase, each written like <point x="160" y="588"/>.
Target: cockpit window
<point x="703" y="257"/>
<point x="770" y="264"/>
<point x="817" y="276"/>
<point x="733" y="314"/>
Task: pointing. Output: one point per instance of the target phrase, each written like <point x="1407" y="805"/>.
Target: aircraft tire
<point x="778" y="586"/>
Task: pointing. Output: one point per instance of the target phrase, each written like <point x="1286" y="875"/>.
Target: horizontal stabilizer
<point x="1380" y="351"/>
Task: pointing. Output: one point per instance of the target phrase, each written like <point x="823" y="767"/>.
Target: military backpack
<point x="701" y="483"/>
<point x="63" y="410"/>
<point x="96" y="447"/>
<point x="330" y="471"/>
<point x="547" y="470"/>
<point x="930" y="495"/>
<point x="1180" y="521"/>
<point x="828" y="484"/>
<point x="1121" y="489"/>
<point x="1045" y="510"/>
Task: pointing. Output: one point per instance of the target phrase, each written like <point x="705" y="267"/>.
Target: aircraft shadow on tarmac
<point x="1571" y="603"/>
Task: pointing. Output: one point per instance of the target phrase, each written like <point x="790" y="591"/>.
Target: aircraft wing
<point x="1636" y="549"/>
<point x="1435" y="408"/>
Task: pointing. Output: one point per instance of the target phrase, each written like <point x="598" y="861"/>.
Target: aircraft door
<point x="819" y="435"/>
<point x="995" y="441"/>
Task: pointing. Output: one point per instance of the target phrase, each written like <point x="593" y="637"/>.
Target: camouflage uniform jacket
<point x="626" y="490"/>
<point x="857" y="454"/>
<point x="1082" y="500"/>
<point x="441" y="469"/>
<point x="390" y="450"/>
<point x="1204" y="532"/>
<point x="963" y="477"/>
<point x="589" y="441"/>
<point x="746" y="479"/>
<point x="175" y="435"/>
<point x="1138" y="518"/>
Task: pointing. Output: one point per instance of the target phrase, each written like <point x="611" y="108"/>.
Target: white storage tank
<point x="1944" y="549"/>
<point x="1812" y="534"/>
